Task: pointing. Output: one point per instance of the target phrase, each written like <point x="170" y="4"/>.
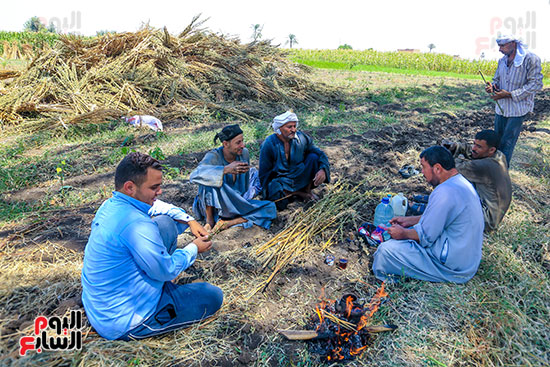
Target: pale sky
<point x="464" y="28"/>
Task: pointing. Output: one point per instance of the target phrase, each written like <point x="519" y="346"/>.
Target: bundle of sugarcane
<point x="6" y="74"/>
<point x="307" y="231"/>
<point x="153" y="72"/>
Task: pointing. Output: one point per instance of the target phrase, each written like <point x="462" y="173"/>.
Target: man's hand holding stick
<point x="490" y="89"/>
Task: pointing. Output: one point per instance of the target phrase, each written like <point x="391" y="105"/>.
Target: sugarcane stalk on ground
<point x="331" y="213"/>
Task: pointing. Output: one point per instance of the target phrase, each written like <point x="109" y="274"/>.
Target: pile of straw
<point x="13" y="50"/>
<point x="153" y="72"/>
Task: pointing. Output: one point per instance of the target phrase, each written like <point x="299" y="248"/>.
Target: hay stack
<point x="151" y="71"/>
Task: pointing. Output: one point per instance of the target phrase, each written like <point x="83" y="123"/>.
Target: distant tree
<point x="291" y="40"/>
<point x="345" y="46"/>
<point x="256" y="31"/>
<point x="34" y="25"/>
<point x="52" y="28"/>
<point x="431" y="46"/>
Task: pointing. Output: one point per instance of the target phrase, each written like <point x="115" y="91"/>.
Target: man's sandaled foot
<point x="417" y="209"/>
<point x="313" y="197"/>
<point x="307" y="196"/>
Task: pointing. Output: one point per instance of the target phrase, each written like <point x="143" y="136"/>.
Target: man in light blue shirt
<point x="131" y="258"/>
<point x="517" y="78"/>
<point x="443" y="244"/>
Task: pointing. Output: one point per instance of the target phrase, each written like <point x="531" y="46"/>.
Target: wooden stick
<point x="285" y="197"/>
<point x="498" y="104"/>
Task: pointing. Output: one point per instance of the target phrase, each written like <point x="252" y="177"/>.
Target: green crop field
<point x="371" y="60"/>
<point x="35" y="39"/>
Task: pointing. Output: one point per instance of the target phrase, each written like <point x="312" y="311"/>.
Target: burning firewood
<point x="311" y="334"/>
<point x="342" y="330"/>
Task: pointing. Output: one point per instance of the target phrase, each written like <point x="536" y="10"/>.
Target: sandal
<point x="421" y="198"/>
<point x="416" y="209"/>
<point x="408" y="171"/>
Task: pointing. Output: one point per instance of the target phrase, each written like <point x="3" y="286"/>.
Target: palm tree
<point x="256" y="31"/>
<point x="291" y="40"/>
<point x="431" y="46"/>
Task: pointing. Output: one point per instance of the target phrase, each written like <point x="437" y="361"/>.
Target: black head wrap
<point x="228" y="133"/>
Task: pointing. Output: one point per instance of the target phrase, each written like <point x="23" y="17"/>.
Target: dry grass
<point x="192" y="75"/>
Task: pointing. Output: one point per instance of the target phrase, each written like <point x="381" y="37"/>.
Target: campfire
<point x="342" y="329"/>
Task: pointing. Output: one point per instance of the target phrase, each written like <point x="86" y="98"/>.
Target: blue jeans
<point x="179" y="305"/>
<point x="508" y="130"/>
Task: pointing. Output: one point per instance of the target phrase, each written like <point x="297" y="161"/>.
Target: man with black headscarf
<point x="227" y="186"/>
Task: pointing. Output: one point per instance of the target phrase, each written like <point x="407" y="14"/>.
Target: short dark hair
<point x="133" y="168"/>
<point x="490" y="136"/>
<point x="438" y="154"/>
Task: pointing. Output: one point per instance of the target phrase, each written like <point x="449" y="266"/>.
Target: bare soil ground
<point x="382" y="151"/>
<point x="245" y="331"/>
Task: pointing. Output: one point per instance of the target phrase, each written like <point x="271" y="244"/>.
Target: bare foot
<point x="313" y="197"/>
<point x="220" y="226"/>
<point x="307" y="196"/>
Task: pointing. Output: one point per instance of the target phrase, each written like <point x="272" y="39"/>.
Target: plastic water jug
<point x="383" y="213"/>
<point x="399" y="205"/>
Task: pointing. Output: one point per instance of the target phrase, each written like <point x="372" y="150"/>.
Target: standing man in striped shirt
<point x="517" y="78"/>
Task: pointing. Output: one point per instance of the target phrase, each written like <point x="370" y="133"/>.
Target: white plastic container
<point x="399" y="204"/>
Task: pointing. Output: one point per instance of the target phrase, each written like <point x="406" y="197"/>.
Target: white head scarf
<point x="283" y="119"/>
<point x="521" y="49"/>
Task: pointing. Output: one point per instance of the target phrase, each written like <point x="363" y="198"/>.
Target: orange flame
<point x="357" y="351"/>
<point x="321" y="317"/>
<point x="349" y="305"/>
<point x="372" y="306"/>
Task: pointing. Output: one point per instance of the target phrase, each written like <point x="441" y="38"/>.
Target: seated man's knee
<point x="312" y="157"/>
<point x="168" y="231"/>
<point x="165" y="223"/>
<point x="214" y="297"/>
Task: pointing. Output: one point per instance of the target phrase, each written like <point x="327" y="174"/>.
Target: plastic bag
<point x="145" y="120"/>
